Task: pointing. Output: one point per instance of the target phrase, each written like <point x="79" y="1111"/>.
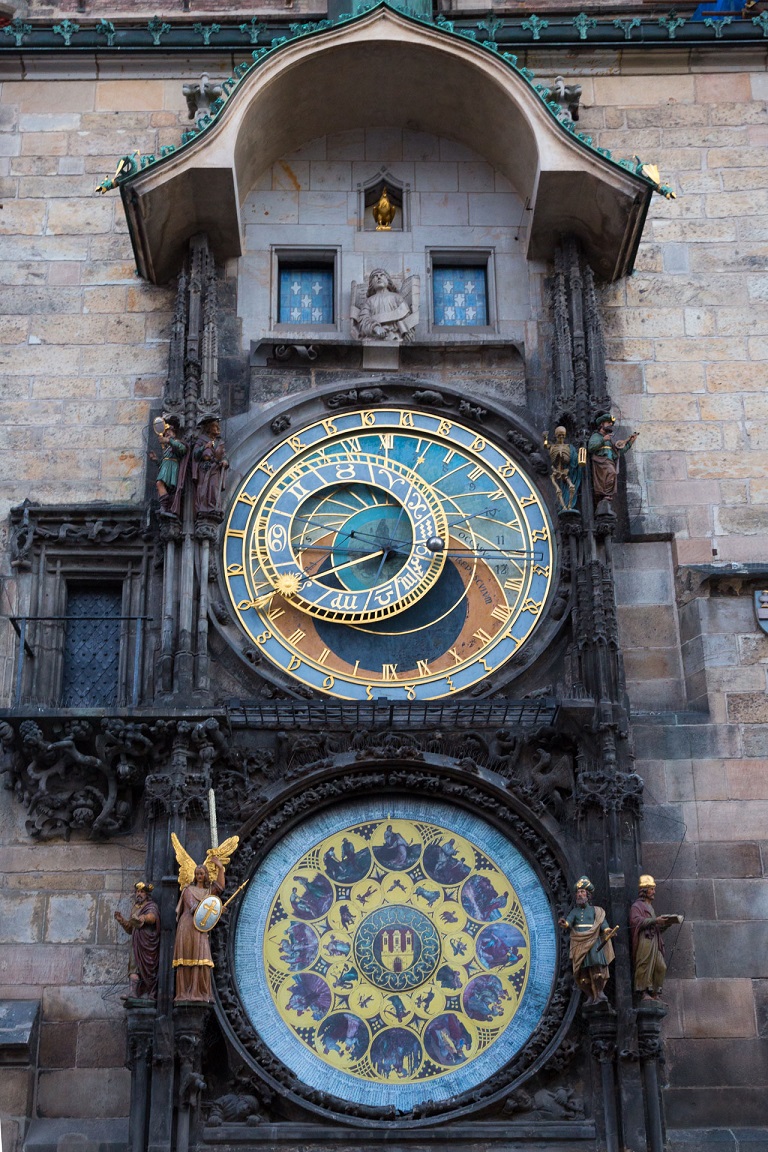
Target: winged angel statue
<point x="201" y="886"/>
<point x="382" y="310"/>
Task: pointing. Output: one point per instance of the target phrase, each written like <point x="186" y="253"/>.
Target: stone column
<point x="189" y="1020"/>
<point x="601" y="1024"/>
<point x="141" y="1023"/>
<point x="650" y="1014"/>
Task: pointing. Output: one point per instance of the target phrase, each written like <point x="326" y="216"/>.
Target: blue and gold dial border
<point x="519" y="605"/>
<point x="265" y="914"/>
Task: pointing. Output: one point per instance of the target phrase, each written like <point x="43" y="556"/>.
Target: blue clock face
<point x="390" y="553"/>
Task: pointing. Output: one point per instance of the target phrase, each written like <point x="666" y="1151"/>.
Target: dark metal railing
<point x="26" y="651"/>
<point x="315" y="715"/>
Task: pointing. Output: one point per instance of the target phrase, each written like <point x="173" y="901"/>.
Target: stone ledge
<point x="109" y="1135"/>
<point x="514" y="1137"/>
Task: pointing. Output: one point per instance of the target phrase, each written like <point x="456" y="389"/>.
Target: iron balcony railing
<point x="107" y="660"/>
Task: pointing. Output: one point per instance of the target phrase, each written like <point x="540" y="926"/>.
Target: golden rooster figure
<point x="384" y="212"/>
<point x="192" y="951"/>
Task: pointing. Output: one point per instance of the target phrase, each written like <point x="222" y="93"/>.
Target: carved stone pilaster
<point x="650" y="1014"/>
<point x="601" y="1021"/>
<point x="140" y="1017"/>
<point x="189" y="1021"/>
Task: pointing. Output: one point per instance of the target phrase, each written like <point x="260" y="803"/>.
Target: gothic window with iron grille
<point x="91" y="646"/>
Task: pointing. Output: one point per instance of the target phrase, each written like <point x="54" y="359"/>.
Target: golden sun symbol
<point x="287" y="585"/>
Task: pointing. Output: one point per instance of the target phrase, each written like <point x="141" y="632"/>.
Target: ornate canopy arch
<point x="377" y="70"/>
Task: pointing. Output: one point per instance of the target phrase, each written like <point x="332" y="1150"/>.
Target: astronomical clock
<point x="393" y="947"/>
<point x="388" y="552"/>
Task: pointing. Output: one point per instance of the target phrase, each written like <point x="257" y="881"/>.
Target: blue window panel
<point x="460" y="296"/>
<point x="306" y="296"/>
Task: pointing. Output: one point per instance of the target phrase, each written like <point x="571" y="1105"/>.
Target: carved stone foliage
<point x="609" y="791"/>
<point x="79" y="777"/>
<point x="411" y="776"/>
<point x="70" y="527"/>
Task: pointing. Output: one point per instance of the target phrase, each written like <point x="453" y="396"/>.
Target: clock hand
<point x="387" y="550"/>
<point x="348" y="564"/>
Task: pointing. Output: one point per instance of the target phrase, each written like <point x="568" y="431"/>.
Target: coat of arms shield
<point x="761" y="609"/>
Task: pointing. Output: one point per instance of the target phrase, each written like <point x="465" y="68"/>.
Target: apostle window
<point x="306" y="289"/>
<point x="461" y="284"/>
<point x="460" y="296"/>
<point x="91" y="656"/>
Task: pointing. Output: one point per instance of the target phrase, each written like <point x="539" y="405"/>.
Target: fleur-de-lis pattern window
<point x="460" y="296"/>
<point x="306" y="296"/>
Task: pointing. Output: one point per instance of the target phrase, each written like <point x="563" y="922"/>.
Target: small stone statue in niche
<point x="384" y="212"/>
<point x="591" y="947"/>
<point x="192" y="950"/>
<point x="646" y="928"/>
<point x="566" y="468"/>
<point x="143" y="926"/>
<point x="604" y="452"/>
<point x="209" y="466"/>
<point x="382" y="310"/>
<point x="173" y="449"/>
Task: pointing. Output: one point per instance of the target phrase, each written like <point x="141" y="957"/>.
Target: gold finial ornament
<point x="384" y="212"/>
<point x="651" y="172"/>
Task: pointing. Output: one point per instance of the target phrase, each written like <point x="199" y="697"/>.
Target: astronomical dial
<point x="390" y="553"/>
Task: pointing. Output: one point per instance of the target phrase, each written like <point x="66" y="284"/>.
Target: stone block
<point x="679" y="782"/>
<point x="22" y="919"/>
<point x="63" y="95"/>
<point x="655" y="695"/>
<point x="49" y="964"/>
<point x="760" y="988"/>
<point x="664" y="823"/>
<point x="386" y="145"/>
<point x="101" y="1044"/>
<point x="716" y="1007"/>
<point x="633" y="92"/>
<point x="709" y="780"/>
<point x="643" y="626"/>
<point x="695" y="899"/>
<point x="85" y="1091"/>
<point x="107" y="965"/>
<point x="748" y="707"/>
<point x="329" y="175"/>
<point x="683" y="493"/>
<point x="77" y="217"/>
<point x="652" y="664"/>
<point x="737" y="899"/>
<point x="70" y="918"/>
<point x="58" y="1044"/>
<point x="672" y="861"/>
<point x="128" y="95"/>
<point x="476" y="176"/>
<point x="75" y="1002"/>
<point x="739" y="859"/>
<point x="728" y="952"/>
<point x="704" y="1108"/>
<point x="716" y="1063"/>
<point x="22" y="217"/>
<point x="681" y="953"/>
<point x="345" y="145"/>
<point x="753" y="649"/>
<point x="16" y="1085"/>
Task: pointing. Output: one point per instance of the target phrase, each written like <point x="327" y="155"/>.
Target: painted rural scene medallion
<point x="395" y="955"/>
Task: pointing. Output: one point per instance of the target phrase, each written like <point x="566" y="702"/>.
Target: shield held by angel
<point x="384" y="309"/>
<point x="199" y="883"/>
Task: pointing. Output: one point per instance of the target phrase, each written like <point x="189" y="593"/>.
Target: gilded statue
<point x="384" y="212"/>
<point x="192" y="950"/>
<point x="605" y="453"/>
<point x="143" y="927"/>
<point x="591" y="948"/>
<point x="648" y="961"/>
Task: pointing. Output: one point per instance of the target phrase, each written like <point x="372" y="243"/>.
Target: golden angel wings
<point x="224" y="853"/>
